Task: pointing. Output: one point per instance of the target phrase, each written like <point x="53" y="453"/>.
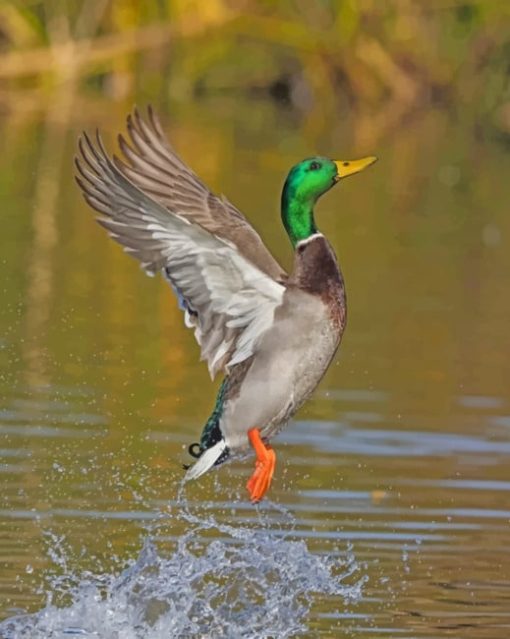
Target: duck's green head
<point x="304" y="185"/>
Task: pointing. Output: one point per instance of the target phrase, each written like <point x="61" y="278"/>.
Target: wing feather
<point x="150" y="162"/>
<point x="227" y="299"/>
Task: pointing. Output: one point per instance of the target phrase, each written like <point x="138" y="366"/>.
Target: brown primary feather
<point x="151" y="163"/>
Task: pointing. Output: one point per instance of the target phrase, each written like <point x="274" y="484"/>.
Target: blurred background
<point x="402" y="455"/>
<point x="319" y="57"/>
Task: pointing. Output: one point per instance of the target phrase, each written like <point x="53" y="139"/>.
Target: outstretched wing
<point x="228" y="299"/>
<point x="154" y="167"/>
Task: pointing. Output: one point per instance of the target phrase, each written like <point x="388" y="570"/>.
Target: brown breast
<point x="316" y="271"/>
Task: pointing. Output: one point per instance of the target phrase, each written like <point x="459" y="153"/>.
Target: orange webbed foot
<point x="260" y="481"/>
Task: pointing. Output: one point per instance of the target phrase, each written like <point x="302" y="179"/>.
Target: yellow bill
<point x="349" y="167"/>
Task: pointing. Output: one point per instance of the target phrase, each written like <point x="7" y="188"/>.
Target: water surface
<point x="389" y="513"/>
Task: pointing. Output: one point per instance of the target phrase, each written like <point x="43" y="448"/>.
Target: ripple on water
<point x="250" y="583"/>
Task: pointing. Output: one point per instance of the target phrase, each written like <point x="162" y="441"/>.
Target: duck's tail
<point x="212" y="448"/>
<point x="207" y="460"/>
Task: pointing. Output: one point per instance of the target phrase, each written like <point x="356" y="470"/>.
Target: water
<point x="242" y="582"/>
<point x="389" y="513"/>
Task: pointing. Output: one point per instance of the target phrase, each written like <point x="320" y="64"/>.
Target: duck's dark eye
<point x="315" y="166"/>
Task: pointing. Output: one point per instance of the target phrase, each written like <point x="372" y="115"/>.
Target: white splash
<point x="247" y="583"/>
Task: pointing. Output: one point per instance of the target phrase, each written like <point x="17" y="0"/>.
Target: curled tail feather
<point x="207" y="460"/>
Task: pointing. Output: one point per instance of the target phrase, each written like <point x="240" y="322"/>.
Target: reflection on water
<point x="389" y="512"/>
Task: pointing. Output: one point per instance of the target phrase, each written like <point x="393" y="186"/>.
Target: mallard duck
<point x="272" y="334"/>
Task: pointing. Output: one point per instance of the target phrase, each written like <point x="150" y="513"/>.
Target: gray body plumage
<point x="292" y="356"/>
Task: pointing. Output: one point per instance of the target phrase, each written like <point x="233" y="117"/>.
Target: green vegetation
<point x="387" y="57"/>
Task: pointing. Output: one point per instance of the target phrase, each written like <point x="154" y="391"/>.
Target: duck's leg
<point x="260" y="481"/>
